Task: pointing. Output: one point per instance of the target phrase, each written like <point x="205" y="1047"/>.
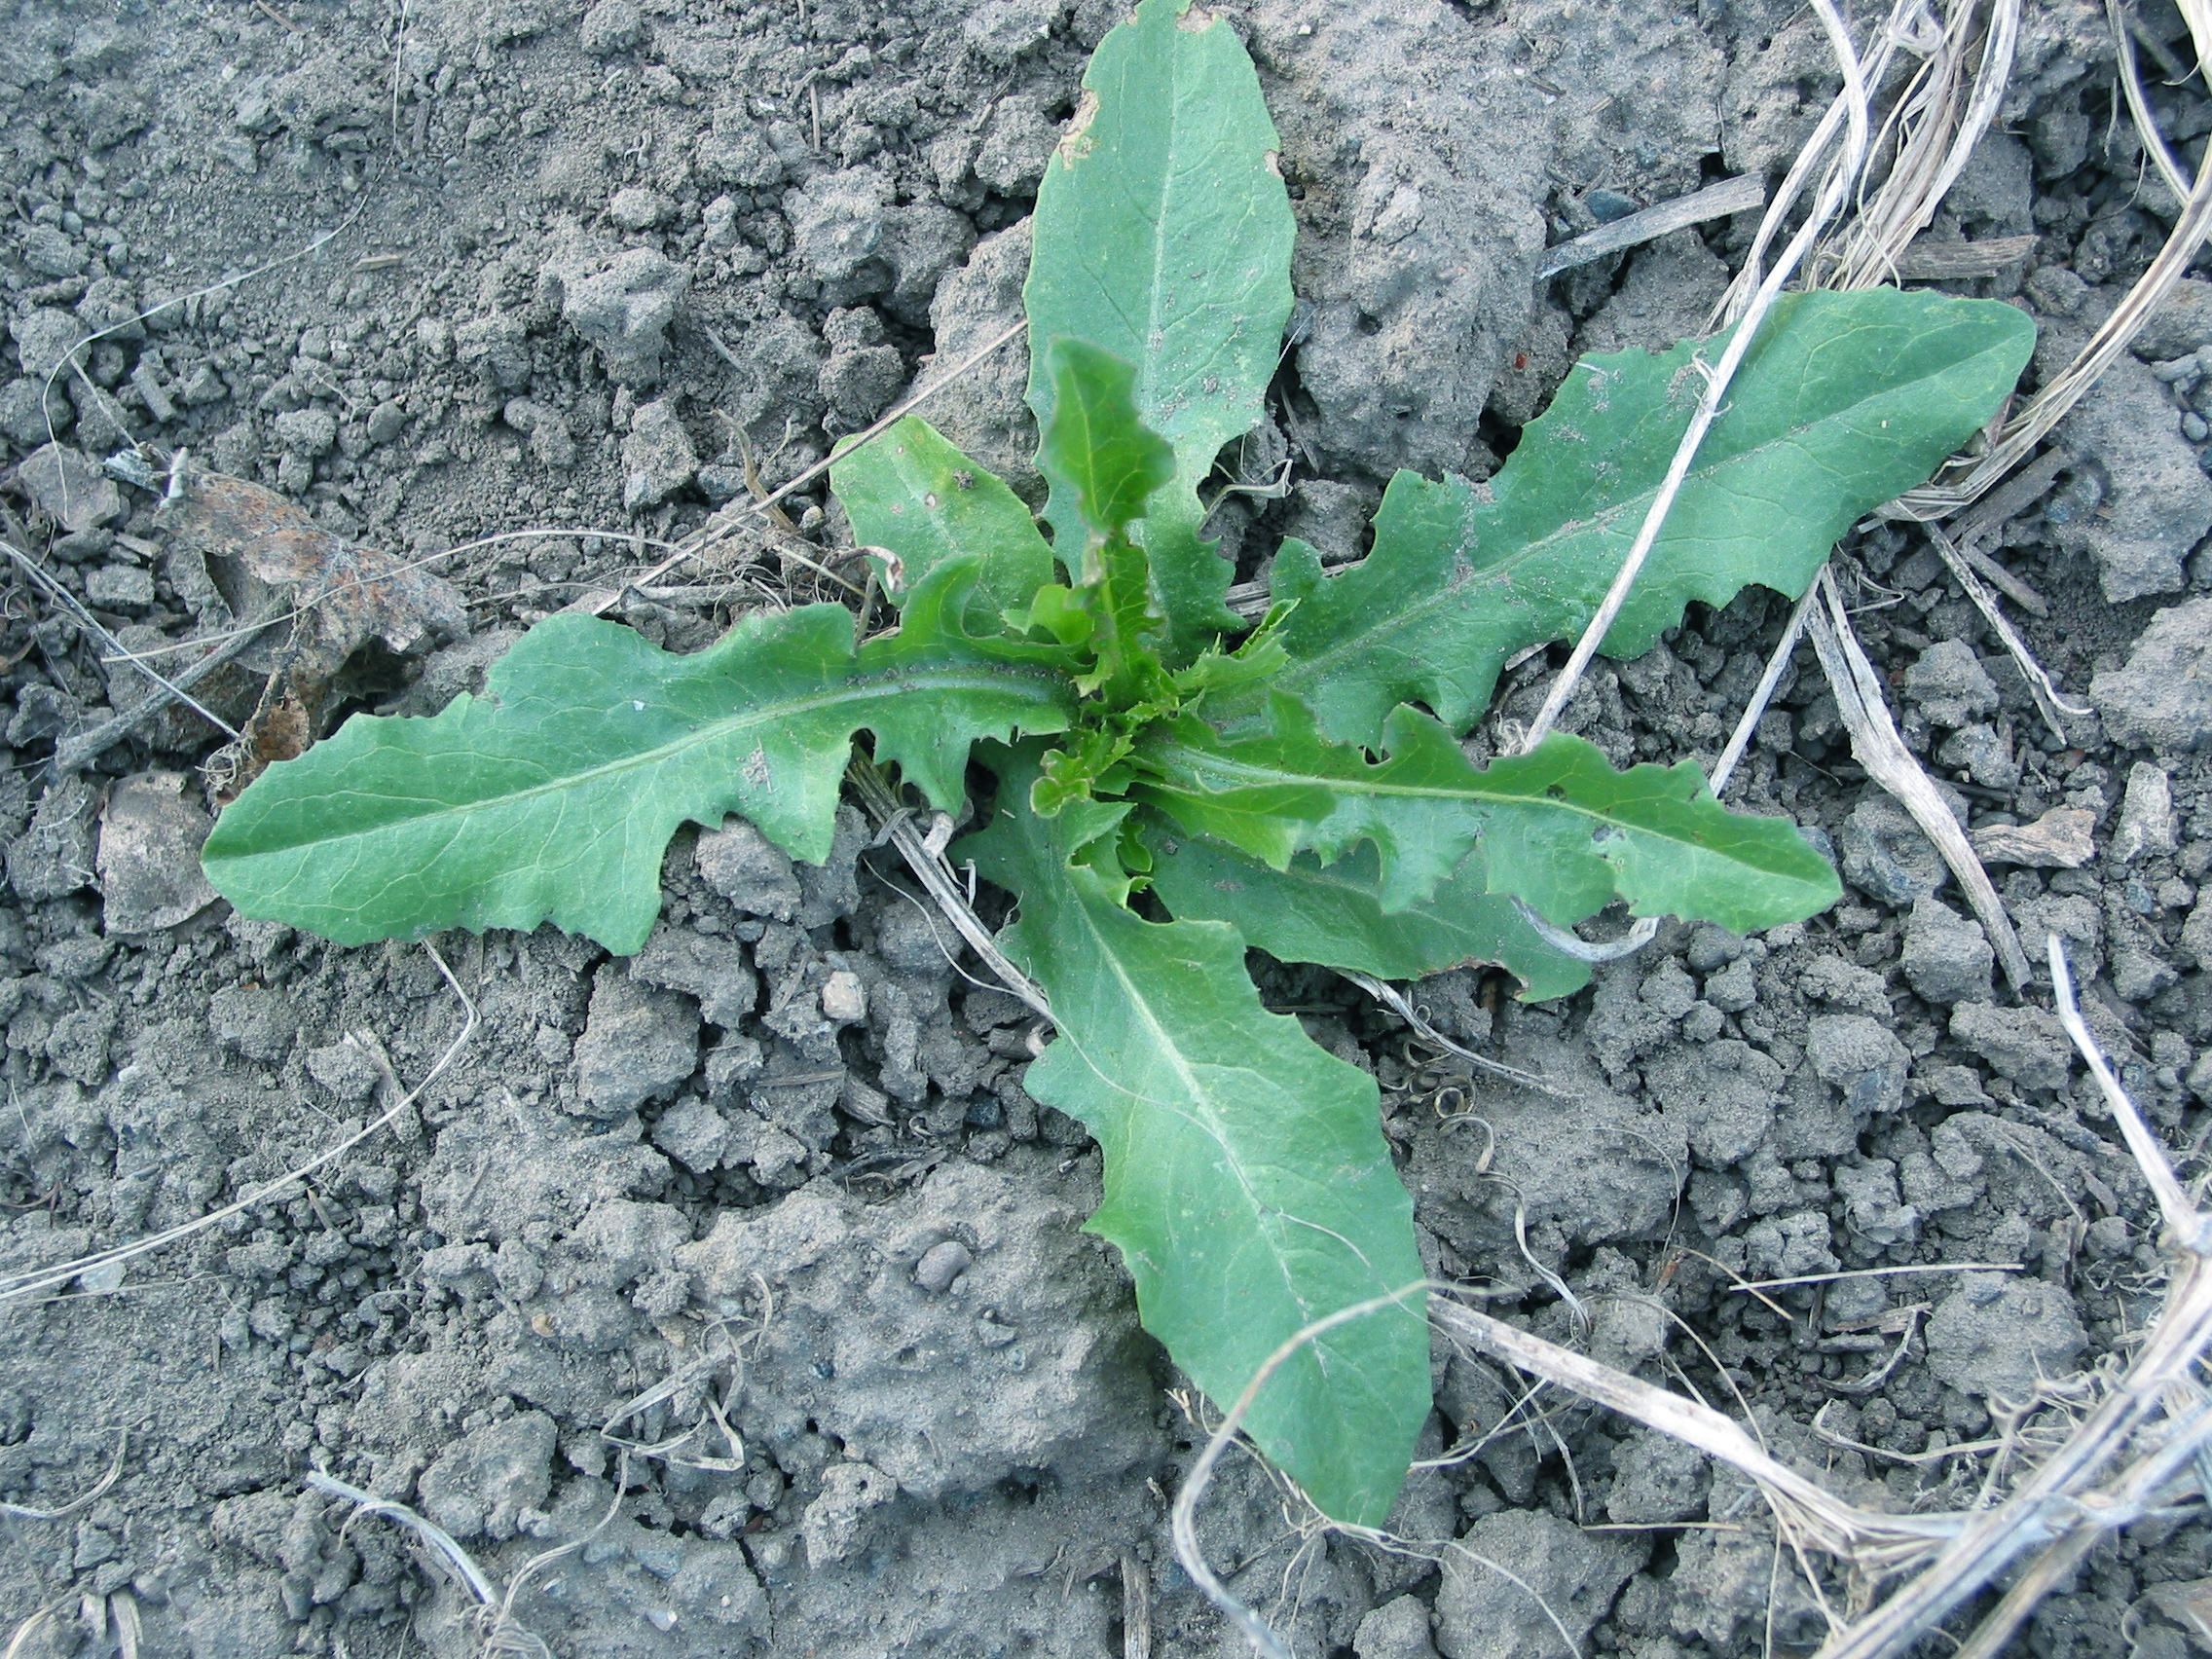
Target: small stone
<point x="1396" y="1630"/>
<point x="694" y="1133"/>
<point x="833" y="1523"/>
<point x="2024" y="1044"/>
<point x="119" y="587"/>
<point x="2060" y="839"/>
<point x="202" y="385"/>
<point x="1981" y="752"/>
<point x="2147" y="822"/>
<point x="308" y="431"/>
<point x="1950" y="685"/>
<point x="638" y="208"/>
<point x="387" y="420"/>
<point x="711" y="969"/>
<point x="1995" y="1338"/>
<point x="1946" y="958"/>
<point x="1669" y="990"/>
<point x="844" y="999"/>
<point x="1885" y="857"/>
<point x="657" y="457"/>
<point x="610" y="26"/>
<point x="149" y="855"/>
<point x="637" y="1044"/>
<point x="1861" y="1057"/>
<point x="48" y="252"/>
<point x="1656" y="1479"/>
<point x="940" y="1265"/>
<point x="46" y="339"/>
<point x="68" y="488"/>
<point x="481" y="1484"/>
<point x="2162" y="699"/>
<point x="1734" y="988"/>
<point x="345" y="1069"/>
<point x="624" y="310"/>
<point x="837" y="222"/>
<point x="1564" y="1573"/>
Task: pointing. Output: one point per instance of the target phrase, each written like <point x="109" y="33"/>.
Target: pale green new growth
<point x="1304" y="793"/>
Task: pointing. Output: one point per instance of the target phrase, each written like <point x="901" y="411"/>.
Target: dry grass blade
<point x="1716" y="380"/>
<point x="1968" y="478"/>
<point x="440" y="1542"/>
<point x="1762" y="694"/>
<point x="80" y="751"/>
<point x="83" y="1500"/>
<point x="1720" y="200"/>
<point x="2048" y="703"/>
<point x="1876" y="742"/>
<point x="93" y="625"/>
<point x="2150" y="1156"/>
<point x="938" y="879"/>
<point x="16" y="1286"/>
<point x="1183" y="1517"/>
<point x="1399" y="1004"/>
<point x="1838" y="1527"/>
<point x="1935" y="138"/>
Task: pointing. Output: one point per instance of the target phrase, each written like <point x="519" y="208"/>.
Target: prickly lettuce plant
<point x="1166" y="795"/>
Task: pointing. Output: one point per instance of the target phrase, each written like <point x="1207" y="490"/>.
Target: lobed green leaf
<point x="1333" y="914"/>
<point x="1248" y="1187"/>
<point x="1558" y="826"/>
<point x="1162" y="235"/>
<point x="913" y="494"/>
<point x="555" y="793"/>
<point x="1846" y="401"/>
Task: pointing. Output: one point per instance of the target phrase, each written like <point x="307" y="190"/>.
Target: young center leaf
<point x="913" y="494"/>
<point x="1248" y="1183"/>
<point x="1847" y="399"/>
<point x="1162" y="235"/>
<point x="1105" y="464"/>
<point x="554" y="794"/>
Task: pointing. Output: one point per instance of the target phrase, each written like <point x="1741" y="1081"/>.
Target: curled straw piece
<point x="16" y="1286"/>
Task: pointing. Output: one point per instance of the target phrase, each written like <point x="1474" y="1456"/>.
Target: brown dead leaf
<point x="264" y="552"/>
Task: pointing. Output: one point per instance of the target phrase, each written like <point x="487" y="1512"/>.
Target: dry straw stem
<point x="1969" y="477"/>
<point x="1717" y="379"/>
<point x="13" y="1287"/>
<point x="1183" y="1517"/>
<point x="2048" y="703"/>
<point x="1762" y="694"/>
<point x="937" y="877"/>
<point x="1877" y="746"/>
<point x="494" y="1615"/>
<point x="90" y="624"/>
<point x="1931" y="136"/>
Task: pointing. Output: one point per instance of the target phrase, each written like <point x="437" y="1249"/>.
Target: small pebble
<point x="2194" y="426"/>
<point x="940" y="1265"/>
<point x="844" y="999"/>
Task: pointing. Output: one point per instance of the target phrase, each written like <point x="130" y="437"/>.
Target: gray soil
<point x="779" y="1174"/>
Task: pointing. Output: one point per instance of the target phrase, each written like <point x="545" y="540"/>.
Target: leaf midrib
<point x="968" y="677"/>
<point x="1308" y="668"/>
<point x="1270" y="1220"/>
